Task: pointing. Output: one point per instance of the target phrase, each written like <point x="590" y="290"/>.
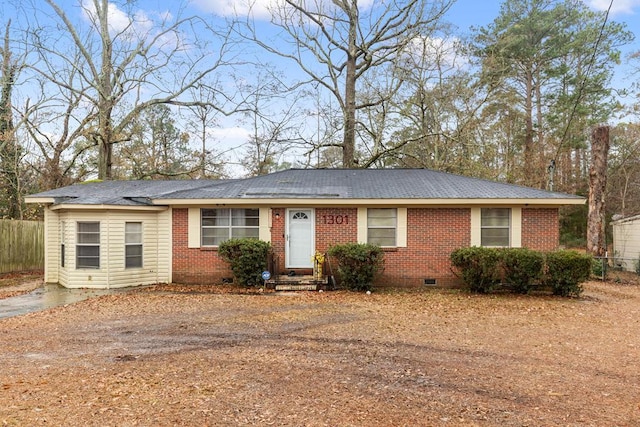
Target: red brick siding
<point x="277" y="237"/>
<point x="335" y="226"/>
<point x="194" y="265"/>
<point x="432" y="234"/>
<point x="540" y="229"/>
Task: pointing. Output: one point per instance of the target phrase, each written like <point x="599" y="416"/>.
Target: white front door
<point x="300" y="241"/>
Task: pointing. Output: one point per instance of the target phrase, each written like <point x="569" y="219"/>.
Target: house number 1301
<point x="335" y="219"/>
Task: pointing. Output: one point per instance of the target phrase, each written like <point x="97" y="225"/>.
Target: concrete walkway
<point x="48" y="296"/>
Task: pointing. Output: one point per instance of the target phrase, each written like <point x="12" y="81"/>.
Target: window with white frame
<point x="133" y="245"/>
<point x="88" y="245"/>
<point x="495" y="227"/>
<point x="222" y="224"/>
<point x="62" y="242"/>
<point x="382" y="224"/>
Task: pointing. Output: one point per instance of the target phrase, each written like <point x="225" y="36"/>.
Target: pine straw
<point x="182" y="355"/>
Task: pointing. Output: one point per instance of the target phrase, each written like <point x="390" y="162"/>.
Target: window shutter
<point x="193" y="226"/>
<point x="362" y="225"/>
<point x="401" y="238"/>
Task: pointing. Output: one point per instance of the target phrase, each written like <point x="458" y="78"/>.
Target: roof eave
<point x="108" y="207"/>
<point x="42" y="200"/>
<point x="351" y="201"/>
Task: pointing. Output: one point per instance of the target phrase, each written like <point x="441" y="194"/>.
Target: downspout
<point x="157" y="246"/>
<point x="170" y="248"/>
<point x="108" y="257"/>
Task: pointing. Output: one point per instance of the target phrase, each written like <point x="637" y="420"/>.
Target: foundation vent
<point x="430" y="282"/>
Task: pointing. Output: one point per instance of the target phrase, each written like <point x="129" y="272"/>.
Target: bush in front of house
<point x="358" y="264"/>
<point x="247" y="258"/>
<point x="480" y="267"/>
<point x="566" y="270"/>
<point x="522" y="268"/>
<point x="486" y="269"/>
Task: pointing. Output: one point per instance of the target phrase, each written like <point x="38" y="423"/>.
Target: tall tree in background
<point x="10" y="150"/>
<point x="623" y="175"/>
<point x="438" y="110"/>
<point x="272" y="120"/>
<point x="201" y="118"/>
<point x="335" y="44"/>
<point x="157" y="149"/>
<point x="542" y="53"/>
<point x="121" y="67"/>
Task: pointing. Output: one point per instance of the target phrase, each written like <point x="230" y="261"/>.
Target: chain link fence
<point x="610" y="266"/>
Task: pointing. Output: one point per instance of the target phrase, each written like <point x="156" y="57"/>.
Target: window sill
<point x="390" y="249"/>
<point x="209" y="248"/>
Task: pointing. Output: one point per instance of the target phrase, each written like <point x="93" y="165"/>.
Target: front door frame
<point x="312" y="243"/>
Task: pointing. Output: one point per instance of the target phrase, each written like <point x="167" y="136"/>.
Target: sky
<point x="478" y="13"/>
<point x="463" y="15"/>
<point x="467" y="13"/>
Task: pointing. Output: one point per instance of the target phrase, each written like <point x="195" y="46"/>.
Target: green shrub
<point x="247" y="258"/>
<point x="566" y="270"/>
<point x="598" y="268"/>
<point x="480" y="267"/>
<point x="358" y="264"/>
<point x="522" y="268"/>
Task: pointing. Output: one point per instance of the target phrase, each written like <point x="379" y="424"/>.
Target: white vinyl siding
<point x="156" y="249"/>
<point x="626" y="242"/>
<point x="52" y="269"/>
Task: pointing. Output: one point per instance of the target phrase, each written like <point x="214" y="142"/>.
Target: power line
<point x="584" y="80"/>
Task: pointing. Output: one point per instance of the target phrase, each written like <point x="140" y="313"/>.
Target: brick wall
<point x="540" y="229"/>
<point x="277" y="238"/>
<point x="335" y="226"/>
<point x="194" y="265"/>
<point x="432" y="234"/>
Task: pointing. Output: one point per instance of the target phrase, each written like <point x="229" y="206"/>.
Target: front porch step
<point x="297" y="283"/>
<point x="293" y="287"/>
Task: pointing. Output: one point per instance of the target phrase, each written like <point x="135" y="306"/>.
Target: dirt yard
<point x="193" y="356"/>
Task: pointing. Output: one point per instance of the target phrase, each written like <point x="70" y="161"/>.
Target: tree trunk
<point x="105" y="103"/>
<point x="10" y="151"/>
<point x="528" y="169"/>
<point x="349" y="141"/>
<point x="597" y="183"/>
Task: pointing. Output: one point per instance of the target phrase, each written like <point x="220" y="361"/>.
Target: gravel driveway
<point x="172" y="355"/>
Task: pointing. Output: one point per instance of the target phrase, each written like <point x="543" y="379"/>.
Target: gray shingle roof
<point x="303" y="183"/>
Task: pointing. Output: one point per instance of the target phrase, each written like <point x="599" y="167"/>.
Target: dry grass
<point x="174" y="355"/>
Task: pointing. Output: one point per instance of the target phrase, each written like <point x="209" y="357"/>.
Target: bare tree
<point x="112" y="70"/>
<point x="201" y="118"/>
<point x="623" y="175"/>
<point x="336" y="44"/>
<point x="158" y="148"/>
<point x="271" y="112"/>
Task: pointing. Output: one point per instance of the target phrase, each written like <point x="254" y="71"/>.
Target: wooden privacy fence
<point x="21" y="245"/>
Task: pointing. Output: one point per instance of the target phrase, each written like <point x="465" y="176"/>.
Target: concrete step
<point x="297" y="283"/>
<point x="296" y="287"/>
